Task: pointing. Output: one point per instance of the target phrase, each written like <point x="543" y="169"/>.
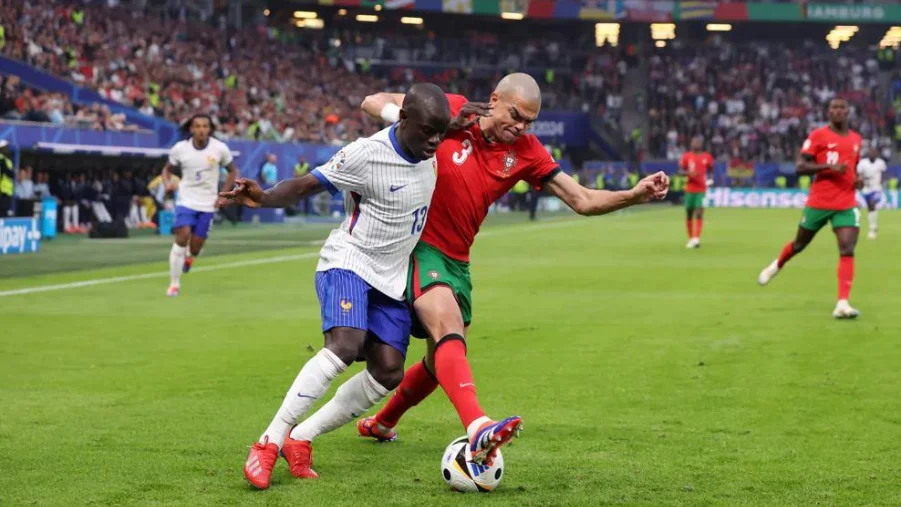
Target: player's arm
<point x="588" y="202"/>
<point x="807" y="165"/>
<point x="285" y="193"/>
<point x="386" y="106"/>
<point x="231" y="176"/>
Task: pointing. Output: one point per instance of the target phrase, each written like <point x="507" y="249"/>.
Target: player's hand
<point x="469" y="114"/>
<point x="652" y="188"/>
<point x="246" y="192"/>
<point x="839" y="168"/>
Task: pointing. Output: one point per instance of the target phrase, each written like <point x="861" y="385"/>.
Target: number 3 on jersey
<point x="419" y="217"/>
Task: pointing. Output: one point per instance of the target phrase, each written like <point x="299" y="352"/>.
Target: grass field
<point x="646" y="374"/>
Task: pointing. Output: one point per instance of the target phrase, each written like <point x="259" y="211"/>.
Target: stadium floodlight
<point x="606" y="33"/>
<point x="315" y="24"/>
<point x="719" y="27"/>
<point x="305" y="15"/>
<point x="367" y="18"/>
<point x="265" y="12"/>
<point x="407" y="20"/>
<point x="662" y="31"/>
<point x="512" y="15"/>
<point x="342" y="12"/>
<point x="660" y="43"/>
<point x="378" y="7"/>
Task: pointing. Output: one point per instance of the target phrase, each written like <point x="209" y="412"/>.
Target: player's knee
<point x="846" y="250"/>
<point x="387" y="375"/>
<point x="345" y="344"/>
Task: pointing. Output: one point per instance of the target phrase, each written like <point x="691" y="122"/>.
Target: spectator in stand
<point x="42" y="186"/>
<point x="24" y="193"/>
<point x="269" y="171"/>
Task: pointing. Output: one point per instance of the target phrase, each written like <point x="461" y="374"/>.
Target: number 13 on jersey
<point x="419" y="217"/>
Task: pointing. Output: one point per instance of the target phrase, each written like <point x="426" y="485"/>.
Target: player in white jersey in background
<point x="870" y="170"/>
<point x="200" y="158"/>
<point x="362" y="272"/>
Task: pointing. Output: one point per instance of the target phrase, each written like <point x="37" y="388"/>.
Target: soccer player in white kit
<point x="200" y="158"/>
<point x="388" y="180"/>
<point x="870" y="171"/>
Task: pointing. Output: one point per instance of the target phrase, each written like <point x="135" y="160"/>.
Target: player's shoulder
<point x="179" y="146"/>
<point x="217" y="143"/>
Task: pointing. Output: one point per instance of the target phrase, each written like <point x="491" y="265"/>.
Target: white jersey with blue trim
<point x="871" y="173"/>
<point x="387" y="196"/>
<point x="199" y="186"/>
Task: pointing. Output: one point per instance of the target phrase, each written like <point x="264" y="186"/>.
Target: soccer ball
<point x="462" y="475"/>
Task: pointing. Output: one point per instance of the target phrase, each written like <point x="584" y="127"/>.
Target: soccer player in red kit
<point x="830" y="153"/>
<point x="696" y="164"/>
<point x="476" y="165"/>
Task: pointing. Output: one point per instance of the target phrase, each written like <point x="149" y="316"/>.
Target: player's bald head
<point x="427" y="100"/>
<point x="521" y="87"/>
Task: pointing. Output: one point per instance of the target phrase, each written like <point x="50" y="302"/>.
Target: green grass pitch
<point x="646" y="374"/>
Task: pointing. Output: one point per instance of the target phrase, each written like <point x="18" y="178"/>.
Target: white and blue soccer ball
<point x="465" y="476"/>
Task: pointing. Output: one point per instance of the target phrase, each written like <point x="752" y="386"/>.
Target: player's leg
<point x="199" y="234"/>
<point x="689" y="219"/>
<point x="343" y="298"/>
<point x="699" y="223"/>
<point x="846" y="225"/>
<point x="873" y="214"/>
<point x="185" y="220"/>
<point x="383" y="373"/>
<point x="812" y="221"/>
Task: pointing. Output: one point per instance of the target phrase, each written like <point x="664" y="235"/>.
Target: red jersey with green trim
<point x="472" y="174"/>
<point x="696" y="165"/>
<point x="833" y="190"/>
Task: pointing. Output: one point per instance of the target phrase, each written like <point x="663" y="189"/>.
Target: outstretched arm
<point x="375" y="106"/>
<point x="284" y="193"/>
<point x="588" y="202"/>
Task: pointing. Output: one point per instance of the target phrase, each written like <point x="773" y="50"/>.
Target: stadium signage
<point x="723" y="197"/>
<point x="837" y="12"/>
<point x="19" y="235"/>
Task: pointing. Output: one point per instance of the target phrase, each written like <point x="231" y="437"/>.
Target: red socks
<point x="688" y="226"/>
<point x="845" y="275"/>
<point x="455" y="377"/>
<point x="787" y="253"/>
<point x="417" y="385"/>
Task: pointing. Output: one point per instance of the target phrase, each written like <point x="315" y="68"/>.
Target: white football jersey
<point x="871" y="173"/>
<point x="199" y="185"/>
<point x="387" y="196"/>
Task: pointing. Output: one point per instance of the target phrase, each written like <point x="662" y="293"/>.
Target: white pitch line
<point x="256" y="262"/>
<point x="158" y="274"/>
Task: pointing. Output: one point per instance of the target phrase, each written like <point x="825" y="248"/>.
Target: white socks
<point x="873" y="220"/>
<point x="176" y="261"/>
<point x="311" y="383"/>
<point x="354" y="397"/>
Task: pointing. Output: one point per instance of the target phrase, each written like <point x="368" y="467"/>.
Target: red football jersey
<point x="472" y="174"/>
<point x="831" y="190"/>
<point x="697" y="165"/>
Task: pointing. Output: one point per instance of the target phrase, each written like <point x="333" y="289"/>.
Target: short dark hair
<point x="186" y="126"/>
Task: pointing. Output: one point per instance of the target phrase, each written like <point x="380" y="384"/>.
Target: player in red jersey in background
<point x="696" y="164"/>
<point x="476" y="166"/>
<point x="831" y="153"/>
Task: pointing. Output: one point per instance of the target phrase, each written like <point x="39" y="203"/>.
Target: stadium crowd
<point x="262" y="84"/>
<point x="756" y="101"/>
